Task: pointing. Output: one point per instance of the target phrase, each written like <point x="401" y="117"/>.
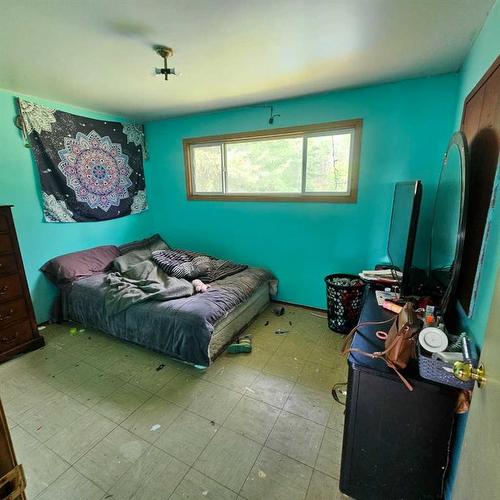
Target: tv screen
<point x="403" y="229"/>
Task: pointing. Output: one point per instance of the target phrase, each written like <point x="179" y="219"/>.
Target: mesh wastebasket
<point x="344" y="297"/>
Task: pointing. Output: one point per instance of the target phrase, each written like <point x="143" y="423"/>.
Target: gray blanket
<point x="140" y="282"/>
<point x="161" y="277"/>
<point x="180" y="327"/>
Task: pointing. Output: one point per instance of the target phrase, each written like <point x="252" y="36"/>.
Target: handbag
<point x="400" y="341"/>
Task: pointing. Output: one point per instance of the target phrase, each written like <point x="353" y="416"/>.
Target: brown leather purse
<point x="400" y="341"/>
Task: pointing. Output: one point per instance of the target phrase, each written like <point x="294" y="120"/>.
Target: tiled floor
<point x="92" y="418"/>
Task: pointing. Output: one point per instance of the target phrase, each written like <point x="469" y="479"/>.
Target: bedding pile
<point x="140" y="282"/>
<point x="123" y="292"/>
<point x="181" y="328"/>
<point x="190" y="265"/>
<point x="167" y="275"/>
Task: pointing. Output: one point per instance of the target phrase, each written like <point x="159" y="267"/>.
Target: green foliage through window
<point x="317" y="163"/>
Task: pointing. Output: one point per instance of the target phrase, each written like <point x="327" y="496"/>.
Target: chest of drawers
<point x="18" y="330"/>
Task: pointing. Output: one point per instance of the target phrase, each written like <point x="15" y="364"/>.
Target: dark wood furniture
<point x="481" y="126"/>
<point x="396" y="442"/>
<point x="12" y="480"/>
<point x="18" y="329"/>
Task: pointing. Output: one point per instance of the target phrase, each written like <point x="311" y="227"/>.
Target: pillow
<point x="152" y="243"/>
<point x="73" y="266"/>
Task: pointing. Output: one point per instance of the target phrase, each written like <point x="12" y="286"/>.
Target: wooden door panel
<point x="490" y="113"/>
<point x="472" y="115"/>
<point x="481" y="126"/>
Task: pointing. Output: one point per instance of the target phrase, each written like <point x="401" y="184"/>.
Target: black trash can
<point x="344" y="297"/>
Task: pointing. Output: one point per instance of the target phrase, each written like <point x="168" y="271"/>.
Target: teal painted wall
<point x="39" y="240"/>
<point x="405" y="133"/>
<point x="300" y="242"/>
<point x="484" y="51"/>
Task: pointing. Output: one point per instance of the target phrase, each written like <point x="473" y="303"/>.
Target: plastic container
<point x="433" y="369"/>
<point x="344" y="297"/>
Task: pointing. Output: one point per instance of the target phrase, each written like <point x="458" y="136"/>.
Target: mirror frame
<point x="457" y="140"/>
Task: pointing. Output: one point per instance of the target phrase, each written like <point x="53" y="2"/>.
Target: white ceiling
<point x="97" y="53"/>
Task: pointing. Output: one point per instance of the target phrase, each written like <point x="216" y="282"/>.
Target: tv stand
<point x="396" y="442"/>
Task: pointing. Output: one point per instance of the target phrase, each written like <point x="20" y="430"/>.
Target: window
<point x="310" y="163"/>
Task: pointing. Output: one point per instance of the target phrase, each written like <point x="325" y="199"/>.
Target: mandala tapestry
<point x="90" y="170"/>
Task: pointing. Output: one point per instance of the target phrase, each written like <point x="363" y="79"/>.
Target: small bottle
<point x="429" y="316"/>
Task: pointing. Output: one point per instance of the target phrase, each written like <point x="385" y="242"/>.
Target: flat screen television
<point x="403" y="229"/>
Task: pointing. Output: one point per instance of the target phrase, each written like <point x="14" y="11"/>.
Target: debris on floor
<point x="81" y="330"/>
<point x="312" y="336"/>
<point x="319" y="315"/>
<point x="279" y="311"/>
<point x="279" y="331"/>
<point x="42" y="327"/>
<point x="73" y="331"/>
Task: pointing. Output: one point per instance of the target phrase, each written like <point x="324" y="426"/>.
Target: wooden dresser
<point x="18" y="330"/>
<point x="12" y="479"/>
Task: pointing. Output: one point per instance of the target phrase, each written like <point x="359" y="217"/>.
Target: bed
<point x="193" y="329"/>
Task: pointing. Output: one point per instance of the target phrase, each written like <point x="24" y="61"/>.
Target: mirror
<point x="448" y="226"/>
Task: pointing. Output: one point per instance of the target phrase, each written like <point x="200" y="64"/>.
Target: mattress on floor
<point x="228" y="327"/>
<point x="193" y="329"/>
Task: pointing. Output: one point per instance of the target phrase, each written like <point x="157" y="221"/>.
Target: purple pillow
<point x="74" y="266"/>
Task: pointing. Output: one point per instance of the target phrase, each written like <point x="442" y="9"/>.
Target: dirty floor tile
<point x="93" y="418"/>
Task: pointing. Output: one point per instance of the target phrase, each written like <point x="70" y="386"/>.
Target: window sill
<point x="350" y="198"/>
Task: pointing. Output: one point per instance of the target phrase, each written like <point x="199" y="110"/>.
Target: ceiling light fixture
<point x="165" y="53"/>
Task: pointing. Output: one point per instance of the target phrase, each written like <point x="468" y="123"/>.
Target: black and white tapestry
<point x="90" y="170"/>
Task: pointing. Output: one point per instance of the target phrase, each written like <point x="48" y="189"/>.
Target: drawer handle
<point x="6" y="340"/>
<point x="7" y="316"/>
<point x="3" y="290"/>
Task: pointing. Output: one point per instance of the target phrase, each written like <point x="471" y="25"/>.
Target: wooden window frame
<point x="305" y="131"/>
